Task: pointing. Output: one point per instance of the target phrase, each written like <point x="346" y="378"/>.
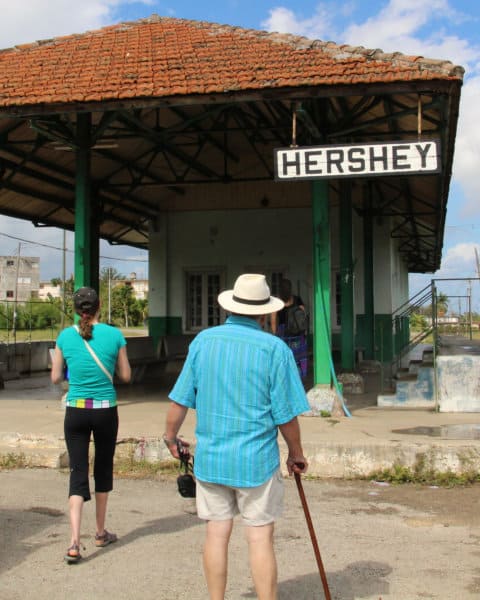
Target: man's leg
<point x="215" y="557"/>
<point x="262" y="560"/>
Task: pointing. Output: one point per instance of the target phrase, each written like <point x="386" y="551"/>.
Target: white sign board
<point x="357" y="160"/>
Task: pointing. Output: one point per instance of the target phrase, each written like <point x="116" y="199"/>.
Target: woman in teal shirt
<point x="92" y="351"/>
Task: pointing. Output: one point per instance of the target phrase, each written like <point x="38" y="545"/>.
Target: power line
<point x="49" y="246"/>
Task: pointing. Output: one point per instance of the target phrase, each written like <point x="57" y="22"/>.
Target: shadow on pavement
<point x="363" y="579"/>
<point x="18" y="526"/>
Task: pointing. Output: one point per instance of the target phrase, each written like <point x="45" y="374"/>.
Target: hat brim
<point x="226" y="301"/>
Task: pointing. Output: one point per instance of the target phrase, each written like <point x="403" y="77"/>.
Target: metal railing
<point x="428" y="296"/>
<point x="401" y="316"/>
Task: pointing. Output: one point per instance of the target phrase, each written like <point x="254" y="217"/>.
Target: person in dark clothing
<point x="298" y="342"/>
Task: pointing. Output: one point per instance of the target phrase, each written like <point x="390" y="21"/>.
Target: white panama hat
<point x="250" y="296"/>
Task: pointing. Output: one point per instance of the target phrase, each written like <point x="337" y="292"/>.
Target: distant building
<point x="444" y="320"/>
<point x="47" y="290"/>
<point x="139" y="286"/>
<point x="19" y="278"/>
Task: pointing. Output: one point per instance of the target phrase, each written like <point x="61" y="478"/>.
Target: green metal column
<point x="321" y="284"/>
<point x="347" y="333"/>
<point x="368" y="278"/>
<point x="86" y="228"/>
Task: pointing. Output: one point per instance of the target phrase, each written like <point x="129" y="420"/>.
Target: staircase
<point x="414" y="383"/>
<point x="410" y="376"/>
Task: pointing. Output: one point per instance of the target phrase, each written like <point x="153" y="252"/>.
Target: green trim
<point x="84" y="234"/>
<point x="369" y="326"/>
<point x="321" y="284"/>
<point x="346" y="279"/>
<point x="401" y="333"/>
<point x="383" y="338"/>
<point x="160" y="326"/>
<point x="387" y="342"/>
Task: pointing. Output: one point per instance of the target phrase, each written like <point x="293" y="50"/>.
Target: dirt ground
<point x="377" y="541"/>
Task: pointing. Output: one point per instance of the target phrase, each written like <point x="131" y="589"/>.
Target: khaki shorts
<point x="257" y="505"/>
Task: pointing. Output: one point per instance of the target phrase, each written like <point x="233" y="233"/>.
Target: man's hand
<point x="177" y="446"/>
<point x="297" y="464"/>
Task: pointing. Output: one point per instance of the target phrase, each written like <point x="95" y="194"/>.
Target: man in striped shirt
<point x="244" y="385"/>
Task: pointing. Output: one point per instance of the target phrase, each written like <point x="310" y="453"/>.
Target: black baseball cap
<point x="85" y="299"/>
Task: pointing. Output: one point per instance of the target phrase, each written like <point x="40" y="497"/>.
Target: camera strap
<point x="185" y="457"/>
<point x="185" y="482"/>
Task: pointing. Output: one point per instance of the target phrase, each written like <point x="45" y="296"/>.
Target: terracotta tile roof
<point x="159" y="57"/>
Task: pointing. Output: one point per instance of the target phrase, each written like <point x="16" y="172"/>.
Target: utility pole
<point x="14" y="326"/>
<point x="109" y="295"/>
<point x="62" y="316"/>
<point x="470" y="308"/>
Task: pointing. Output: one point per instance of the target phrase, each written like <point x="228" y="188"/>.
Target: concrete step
<point x="413" y="391"/>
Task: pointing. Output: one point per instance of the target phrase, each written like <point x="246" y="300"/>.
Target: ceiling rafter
<point x="159" y="140"/>
<point x="240" y="116"/>
<point x="173" y="146"/>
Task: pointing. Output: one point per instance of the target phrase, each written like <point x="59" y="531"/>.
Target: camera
<point x="185" y="482"/>
<point x="186" y="485"/>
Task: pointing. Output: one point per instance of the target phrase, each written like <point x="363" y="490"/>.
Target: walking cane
<point x="313" y="537"/>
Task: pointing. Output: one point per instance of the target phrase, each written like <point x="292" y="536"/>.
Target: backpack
<point x="295" y="321"/>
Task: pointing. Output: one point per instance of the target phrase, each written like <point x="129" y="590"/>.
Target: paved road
<point x="389" y="542"/>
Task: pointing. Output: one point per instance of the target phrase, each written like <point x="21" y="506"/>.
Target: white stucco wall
<point x="270" y="239"/>
<point x="157" y="268"/>
<point x="358" y="266"/>
<point x="382" y="262"/>
<point x="237" y="241"/>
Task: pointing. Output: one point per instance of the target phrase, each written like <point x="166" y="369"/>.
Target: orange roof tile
<point x="160" y="57"/>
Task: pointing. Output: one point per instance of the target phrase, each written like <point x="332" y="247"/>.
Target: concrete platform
<point x="372" y="439"/>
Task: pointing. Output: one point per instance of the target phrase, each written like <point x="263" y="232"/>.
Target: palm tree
<point x="442" y="304"/>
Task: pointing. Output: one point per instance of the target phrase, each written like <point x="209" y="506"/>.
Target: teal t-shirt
<point x="89" y="386"/>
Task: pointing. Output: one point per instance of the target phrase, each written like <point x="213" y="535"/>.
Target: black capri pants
<point x="79" y="424"/>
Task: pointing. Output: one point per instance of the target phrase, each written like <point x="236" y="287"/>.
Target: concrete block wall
<point x="458" y="379"/>
<point x="24" y="357"/>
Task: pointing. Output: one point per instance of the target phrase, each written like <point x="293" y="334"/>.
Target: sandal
<point x="73" y="554"/>
<point x="105" y="539"/>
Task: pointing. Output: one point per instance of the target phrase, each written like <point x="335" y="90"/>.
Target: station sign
<point x="357" y="160"/>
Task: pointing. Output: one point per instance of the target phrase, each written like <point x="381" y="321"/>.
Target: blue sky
<point x="442" y="29"/>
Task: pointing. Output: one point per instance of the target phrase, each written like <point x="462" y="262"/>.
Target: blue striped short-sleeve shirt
<point x="243" y="383"/>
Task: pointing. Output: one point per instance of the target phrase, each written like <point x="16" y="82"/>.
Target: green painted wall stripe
<point x="346" y="279"/>
<point x="321" y="284"/>
<point x="160" y="326"/>
<point x="85" y="237"/>
<point x="368" y="279"/>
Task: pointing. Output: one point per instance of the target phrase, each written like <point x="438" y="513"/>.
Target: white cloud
<point x="284" y="20"/>
<point x="398" y="27"/>
<point x="467" y="150"/>
<point x="38" y="20"/>
<point x="34" y="21"/>
<point x="414" y="28"/>
<point x="402" y="27"/>
<point x="459" y="262"/>
<point x="459" y="259"/>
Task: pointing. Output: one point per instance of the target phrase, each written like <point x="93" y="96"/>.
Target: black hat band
<point x="253" y="302"/>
